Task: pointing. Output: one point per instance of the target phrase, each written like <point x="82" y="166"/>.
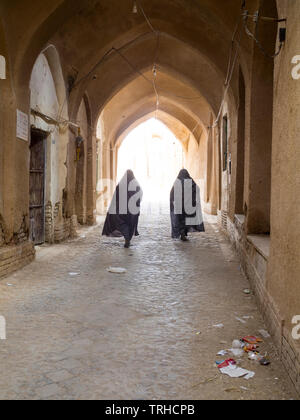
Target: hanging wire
<point x="145" y="16"/>
<point x="98" y="64"/>
<point x="155" y="74"/>
<point x="253" y="37"/>
<point x="156" y="59"/>
<point x="135" y="69"/>
<point x="157" y="49"/>
<point x="106" y="55"/>
<point x="230" y="69"/>
<point x="154" y="70"/>
<point x="231" y="51"/>
<point x="118" y="51"/>
<point x="231" y="65"/>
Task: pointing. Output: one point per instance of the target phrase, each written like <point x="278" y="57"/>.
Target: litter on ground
<point x="246" y="346"/>
<point x="237" y="352"/>
<point x="234" y="371"/>
<point x="240" y="320"/>
<point x="222" y="353"/>
<point x="225" y="363"/>
<point x="116" y="270"/>
<point x="250" y="339"/>
<point x="250" y="347"/>
<point x="232" y="390"/>
<point x="264" y="333"/>
<point x="237" y="344"/>
<point x="265" y="361"/>
<point x="253" y="356"/>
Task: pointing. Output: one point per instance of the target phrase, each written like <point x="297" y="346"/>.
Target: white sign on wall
<point x="22" y="126"/>
<point x="2" y="67"/>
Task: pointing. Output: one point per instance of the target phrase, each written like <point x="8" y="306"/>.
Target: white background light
<point x="156" y="156"/>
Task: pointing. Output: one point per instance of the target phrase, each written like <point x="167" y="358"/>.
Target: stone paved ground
<point x="133" y="336"/>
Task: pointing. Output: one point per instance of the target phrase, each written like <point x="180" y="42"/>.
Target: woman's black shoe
<point x="127" y="244"/>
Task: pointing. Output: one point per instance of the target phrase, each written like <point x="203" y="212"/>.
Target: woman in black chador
<point x="123" y="215"/>
<point x="185" y="207"/>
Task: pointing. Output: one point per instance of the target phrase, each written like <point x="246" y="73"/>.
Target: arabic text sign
<point x="22" y="126"/>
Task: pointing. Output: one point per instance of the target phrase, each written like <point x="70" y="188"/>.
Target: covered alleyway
<point x="77" y="79"/>
<point x="132" y="336"/>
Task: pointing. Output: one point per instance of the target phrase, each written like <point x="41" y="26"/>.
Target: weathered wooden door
<point x="37" y="187"/>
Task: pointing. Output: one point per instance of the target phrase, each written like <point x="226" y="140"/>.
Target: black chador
<point x="185" y="207"/>
<point x="123" y="215"/>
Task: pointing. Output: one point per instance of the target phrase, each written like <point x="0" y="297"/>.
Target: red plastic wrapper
<point x="252" y="340"/>
<point x="227" y="362"/>
<point x="250" y="347"/>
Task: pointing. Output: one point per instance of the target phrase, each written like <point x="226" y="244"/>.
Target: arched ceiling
<point x="181" y="132"/>
<point x="138" y="99"/>
<point x="176" y="62"/>
<point x="195" y="40"/>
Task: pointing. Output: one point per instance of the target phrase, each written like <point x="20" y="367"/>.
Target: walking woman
<point x="123" y="215"/>
<point x="185" y="207"/>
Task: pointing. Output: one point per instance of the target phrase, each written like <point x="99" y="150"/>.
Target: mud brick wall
<point x="49" y="225"/>
<point x="62" y="228"/>
<point x="14" y="257"/>
<point x="65" y="229"/>
<point x="1" y="236"/>
<point x="73" y="226"/>
<point x="22" y="234"/>
<point x="290" y="356"/>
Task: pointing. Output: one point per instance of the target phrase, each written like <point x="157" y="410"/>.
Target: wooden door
<point x="37" y="187"/>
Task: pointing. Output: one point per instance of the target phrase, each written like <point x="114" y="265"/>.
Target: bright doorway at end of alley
<point x="156" y="156"/>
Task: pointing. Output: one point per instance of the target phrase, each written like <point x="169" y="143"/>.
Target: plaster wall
<point x="44" y="98"/>
<point x="277" y="286"/>
<point x="13" y="161"/>
<point x="81" y="166"/>
<point x="284" y="263"/>
<point x="15" y="251"/>
<point x="225" y="174"/>
<point x="196" y="159"/>
<point x="3" y="86"/>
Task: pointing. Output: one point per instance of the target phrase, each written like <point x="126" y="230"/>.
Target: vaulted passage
<point x="91" y="89"/>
